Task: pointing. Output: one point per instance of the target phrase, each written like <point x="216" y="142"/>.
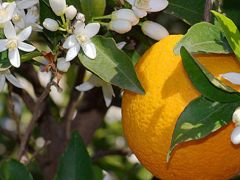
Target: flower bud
<point x="235" y="136"/>
<point x="154" y="30"/>
<point x="63" y="65"/>
<point x="58" y="6"/>
<point x="80" y="17"/>
<point x="50" y="24"/>
<point x="70" y="12"/>
<point x="236" y="116"/>
<point x="125" y="14"/>
<point x="120" y="26"/>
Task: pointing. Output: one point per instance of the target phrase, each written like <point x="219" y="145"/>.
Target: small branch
<point x="11" y="108"/>
<point x="71" y="107"/>
<point x="38" y="110"/>
<point x="208" y="8"/>
<point x="115" y="152"/>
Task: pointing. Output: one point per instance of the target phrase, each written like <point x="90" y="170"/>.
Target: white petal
<point x="24" y="34"/>
<point x="25" y="47"/>
<point x="2" y="81"/>
<point x="92" y="29"/>
<point x="72" y="52"/>
<point x="107" y="93"/>
<point x="3" y="43"/>
<point x="10" y="8"/>
<point x="235" y="136"/>
<point x="9" y="30"/>
<point x="14" y="57"/>
<point x="79" y="27"/>
<point x="139" y="12"/>
<point x="89" y="50"/>
<point x="70" y="42"/>
<point x="85" y="86"/>
<point x="13" y="80"/>
<point x="157" y="5"/>
<point x="120" y="45"/>
<point x="25" y="4"/>
<point x="232" y="77"/>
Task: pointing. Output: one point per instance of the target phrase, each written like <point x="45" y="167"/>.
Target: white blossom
<point x="80" y="17"/>
<point x="233" y="77"/>
<point x="141" y="7"/>
<point x="26" y="4"/>
<point x="125" y="14"/>
<point x="6" y="74"/>
<point x="6" y="12"/>
<point x="120" y="26"/>
<point x="235" y="136"/>
<point x="14" y="42"/>
<point x="63" y="65"/>
<point x="236" y="116"/>
<point x="50" y="24"/>
<point x="58" y="6"/>
<point x="95" y="81"/>
<point x="154" y="30"/>
<point x="70" y="12"/>
<point x="81" y="38"/>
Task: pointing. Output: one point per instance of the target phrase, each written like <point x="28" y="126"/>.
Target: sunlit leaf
<point x="203" y="37"/>
<point x="112" y="65"/>
<point x="231" y="32"/>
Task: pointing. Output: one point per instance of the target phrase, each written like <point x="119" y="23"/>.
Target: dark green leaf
<point x="203" y="37"/>
<point x="14" y="170"/>
<point x="112" y="65"/>
<point x="206" y="84"/>
<point x="190" y="12"/>
<point x="231" y="9"/>
<point x="231" y="32"/>
<point x="199" y="119"/>
<point x="4" y="63"/>
<point x="75" y="163"/>
<point x="92" y="8"/>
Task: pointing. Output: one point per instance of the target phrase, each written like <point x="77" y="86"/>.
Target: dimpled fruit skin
<point x="149" y="120"/>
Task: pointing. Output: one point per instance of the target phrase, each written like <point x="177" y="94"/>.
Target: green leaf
<point x="4" y="63"/>
<point x="203" y="37"/>
<point x="190" y="12"/>
<point x="112" y="65"/>
<point x="201" y="118"/>
<point x="231" y="32"/>
<point x="75" y="163"/>
<point x="207" y="84"/>
<point x="14" y="170"/>
<point x="92" y="8"/>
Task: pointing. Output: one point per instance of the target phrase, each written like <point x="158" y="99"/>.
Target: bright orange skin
<point x="149" y="120"/>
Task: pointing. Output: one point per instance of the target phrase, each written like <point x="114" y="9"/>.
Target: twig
<point x="68" y="115"/>
<point x="11" y="108"/>
<point x="38" y="110"/>
<point x="117" y="152"/>
<point x="208" y="8"/>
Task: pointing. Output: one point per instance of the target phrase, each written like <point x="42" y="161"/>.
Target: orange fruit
<point x="149" y="120"/>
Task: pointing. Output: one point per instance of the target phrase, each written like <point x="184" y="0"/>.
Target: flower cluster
<point x="17" y="20"/>
<point x="123" y="20"/>
<point x="80" y="34"/>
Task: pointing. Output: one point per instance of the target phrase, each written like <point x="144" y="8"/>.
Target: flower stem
<point x="102" y="17"/>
